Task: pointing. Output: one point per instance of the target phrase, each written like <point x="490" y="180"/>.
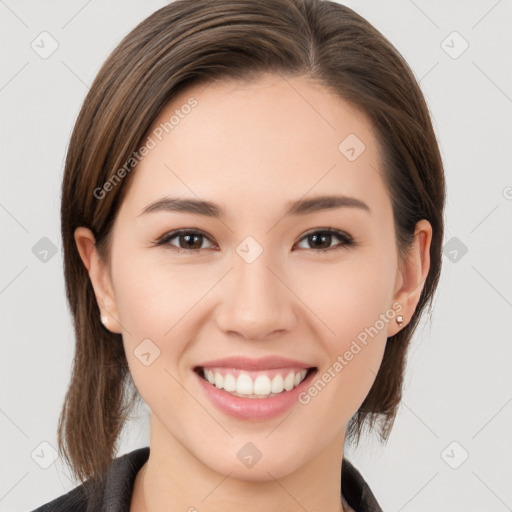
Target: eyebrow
<point x="298" y="207"/>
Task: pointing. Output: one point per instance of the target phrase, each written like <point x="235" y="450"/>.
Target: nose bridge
<point x="257" y="303"/>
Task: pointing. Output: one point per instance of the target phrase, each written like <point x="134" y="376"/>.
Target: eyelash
<point x="347" y="240"/>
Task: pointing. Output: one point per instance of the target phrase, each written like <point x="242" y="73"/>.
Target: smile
<point x="254" y="389"/>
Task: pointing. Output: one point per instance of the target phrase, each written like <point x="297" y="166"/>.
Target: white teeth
<point x="229" y="382"/>
<point x="262" y="386"/>
<point x="288" y="381"/>
<point x="210" y="377"/>
<point x="219" y="380"/>
<point x="244" y="384"/>
<point x="277" y="384"/>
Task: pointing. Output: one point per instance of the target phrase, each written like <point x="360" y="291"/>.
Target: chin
<point x="254" y="461"/>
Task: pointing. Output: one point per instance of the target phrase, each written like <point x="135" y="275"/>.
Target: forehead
<point x="258" y="143"/>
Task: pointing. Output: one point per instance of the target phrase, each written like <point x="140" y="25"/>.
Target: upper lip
<point x="264" y="363"/>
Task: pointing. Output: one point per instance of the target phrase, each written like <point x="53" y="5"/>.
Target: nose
<point x="256" y="302"/>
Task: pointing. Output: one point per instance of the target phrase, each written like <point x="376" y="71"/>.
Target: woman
<point x="252" y="220"/>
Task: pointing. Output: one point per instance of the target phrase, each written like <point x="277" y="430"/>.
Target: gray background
<point x="458" y="394"/>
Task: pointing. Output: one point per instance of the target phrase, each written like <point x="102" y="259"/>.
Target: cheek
<point x="352" y="311"/>
<point x="155" y="332"/>
<point x="153" y="296"/>
<point x="354" y="337"/>
<point x="157" y="305"/>
<point x="347" y="298"/>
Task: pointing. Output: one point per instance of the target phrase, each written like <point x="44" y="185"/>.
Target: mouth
<point x="261" y="384"/>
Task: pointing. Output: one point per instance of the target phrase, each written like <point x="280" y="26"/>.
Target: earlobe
<point x="99" y="276"/>
<point x="411" y="278"/>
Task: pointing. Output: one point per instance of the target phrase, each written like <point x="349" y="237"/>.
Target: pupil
<point x="190" y="238"/>
<point x="315" y="237"/>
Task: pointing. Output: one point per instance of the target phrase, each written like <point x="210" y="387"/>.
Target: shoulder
<point x="113" y="492"/>
<point x="356" y="490"/>
<point x="73" y="501"/>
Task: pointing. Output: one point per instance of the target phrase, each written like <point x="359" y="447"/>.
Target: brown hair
<point x="179" y="45"/>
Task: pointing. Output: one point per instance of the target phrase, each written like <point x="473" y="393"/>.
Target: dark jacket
<point x="115" y="492"/>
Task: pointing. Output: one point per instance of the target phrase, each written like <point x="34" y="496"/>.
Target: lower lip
<point x="253" y="409"/>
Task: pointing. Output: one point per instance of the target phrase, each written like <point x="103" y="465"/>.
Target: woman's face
<point x="251" y="280"/>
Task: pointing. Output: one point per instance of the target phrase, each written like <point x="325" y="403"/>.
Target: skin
<point x="251" y="147"/>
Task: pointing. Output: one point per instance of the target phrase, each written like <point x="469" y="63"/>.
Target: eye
<point x="321" y="239"/>
<point x="188" y="240"/>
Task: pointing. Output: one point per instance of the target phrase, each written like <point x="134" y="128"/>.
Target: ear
<point x="411" y="278"/>
<point x="100" y="277"/>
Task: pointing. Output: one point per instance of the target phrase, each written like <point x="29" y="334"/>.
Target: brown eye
<point x="188" y="240"/>
<point x="321" y="240"/>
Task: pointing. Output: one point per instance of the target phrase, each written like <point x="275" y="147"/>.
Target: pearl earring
<point x="399" y="319"/>
<point x="104" y="320"/>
